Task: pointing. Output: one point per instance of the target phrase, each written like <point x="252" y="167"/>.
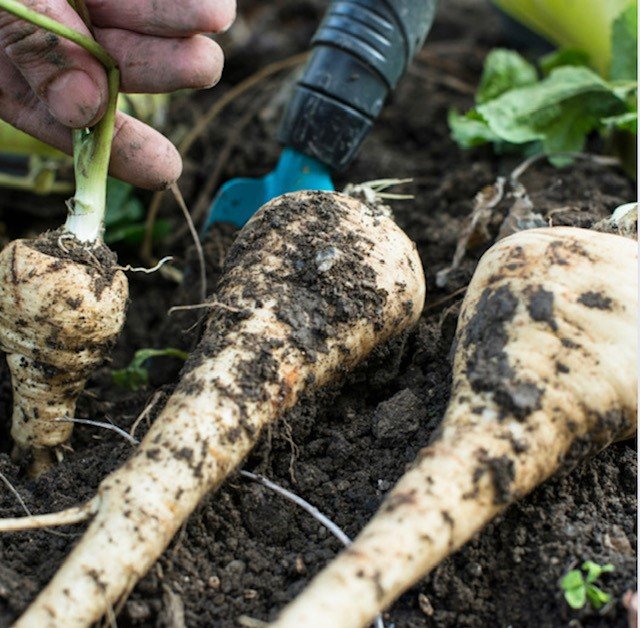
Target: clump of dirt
<point x="99" y="260"/>
<point x="245" y="552"/>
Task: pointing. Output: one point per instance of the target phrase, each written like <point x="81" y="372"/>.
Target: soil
<point x="245" y="552"/>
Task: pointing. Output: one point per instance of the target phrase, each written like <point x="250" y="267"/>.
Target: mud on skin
<point x="487" y="367"/>
<point x="314" y="288"/>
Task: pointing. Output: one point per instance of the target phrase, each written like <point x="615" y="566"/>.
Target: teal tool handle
<point x="360" y="52"/>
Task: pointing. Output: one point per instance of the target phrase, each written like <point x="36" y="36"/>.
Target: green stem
<point x="91" y="154"/>
<point x="91" y="147"/>
<point x="20" y="10"/>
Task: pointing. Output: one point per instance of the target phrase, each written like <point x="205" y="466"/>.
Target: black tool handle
<point x="360" y="52"/>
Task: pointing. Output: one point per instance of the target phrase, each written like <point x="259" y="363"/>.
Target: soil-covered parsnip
<point x="314" y="282"/>
<point x="62" y="301"/>
<point x="544" y="376"/>
<point x="62" y="305"/>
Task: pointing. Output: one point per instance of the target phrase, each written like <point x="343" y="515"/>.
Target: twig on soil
<point x="102" y="424"/>
<point x="196" y="240"/>
<point x="309" y="508"/>
<point x="200" y="126"/>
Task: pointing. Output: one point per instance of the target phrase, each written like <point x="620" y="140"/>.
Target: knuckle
<point x="28" y="46"/>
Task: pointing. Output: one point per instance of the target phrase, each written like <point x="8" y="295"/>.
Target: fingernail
<point x="74" y="98"/>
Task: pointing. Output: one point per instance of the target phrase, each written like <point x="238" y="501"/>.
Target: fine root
<point x="76" y="514"/>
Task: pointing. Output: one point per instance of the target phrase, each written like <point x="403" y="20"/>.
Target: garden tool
<point x="359" y="53"/>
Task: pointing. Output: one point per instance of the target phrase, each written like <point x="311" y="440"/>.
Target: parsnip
<point x="61" y="302"/>
<point x="313" y="283"/>
<point x="544" y="375"/>
<point x="61" y="308"/>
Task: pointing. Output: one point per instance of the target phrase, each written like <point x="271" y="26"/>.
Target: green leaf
<point x="624" y="122"/>
<point x="594" y="570"/>
<point x="470" y="129"/>
<point x="576" y="598"/>
<point x="624" y="45"/>
<point x="504" y="70"/>
<point x="597" y="597"/>
<point x="558" y="111"/>
<point x="136" y="376"/>
<point x="559" y="58"/>
<point x="134" y="233"/>
<point x="572" y="580"/>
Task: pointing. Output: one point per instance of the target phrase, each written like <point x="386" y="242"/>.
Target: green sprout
<point x="136" y="376"/>
<point x="579" y="587"/>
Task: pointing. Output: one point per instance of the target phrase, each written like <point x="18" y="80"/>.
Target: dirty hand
<point x="48" y="84"/>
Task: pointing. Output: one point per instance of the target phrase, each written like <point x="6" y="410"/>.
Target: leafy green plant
<point x="136" y="376"/>
<point x="579" y="587"/>
<point x="125" y="217"/>
<point x="553" y="108"/>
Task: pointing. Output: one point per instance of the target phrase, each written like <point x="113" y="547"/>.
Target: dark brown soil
<point x="245" y="552"/>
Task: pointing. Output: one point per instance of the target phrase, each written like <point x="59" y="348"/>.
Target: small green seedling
<point x="136" y="376"/>
<point x="579" y="587"/>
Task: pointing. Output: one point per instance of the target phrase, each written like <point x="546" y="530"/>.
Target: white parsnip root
<point x="314" y="282"/>
<point x="544" y="375"/>
<point x="61" y="309"/>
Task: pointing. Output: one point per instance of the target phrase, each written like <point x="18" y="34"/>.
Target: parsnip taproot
<point x="314" y="282"/>
<point x="62" y="305"/>
<point x="544" y="375"/>
<point x="62" y="300"/>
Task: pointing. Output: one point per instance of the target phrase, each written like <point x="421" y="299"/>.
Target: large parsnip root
<point x="544" y="375"/>
<point x="313" y="283"/>
<point x="62" y="305"/>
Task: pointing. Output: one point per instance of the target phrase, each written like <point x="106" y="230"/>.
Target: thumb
<point x="66" y="77"/>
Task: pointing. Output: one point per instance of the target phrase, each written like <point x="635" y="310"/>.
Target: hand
<point x="48" y="84"/>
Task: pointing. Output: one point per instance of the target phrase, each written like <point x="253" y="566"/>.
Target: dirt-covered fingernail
<point x="74" y="98"/>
